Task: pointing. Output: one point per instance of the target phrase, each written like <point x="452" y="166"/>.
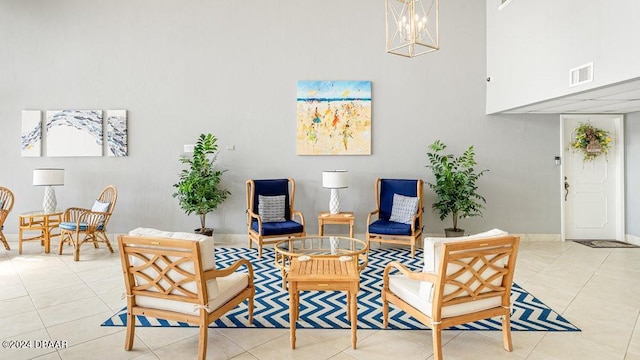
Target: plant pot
<point x="204" y="231"/>
<point x="450" y="232"/>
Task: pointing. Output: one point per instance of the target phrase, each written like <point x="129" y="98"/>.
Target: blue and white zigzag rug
<point x="327" y="309"/>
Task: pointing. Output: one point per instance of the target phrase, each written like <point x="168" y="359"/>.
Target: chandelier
<point x="412" y="27"/>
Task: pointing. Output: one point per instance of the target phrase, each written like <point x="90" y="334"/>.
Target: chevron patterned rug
<point x="326" y="309"/>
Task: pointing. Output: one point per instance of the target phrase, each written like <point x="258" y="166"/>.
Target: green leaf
<point x="454" y="183"/>
<point x="198" y="186"/>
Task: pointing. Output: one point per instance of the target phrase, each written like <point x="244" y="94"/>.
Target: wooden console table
<point x="324" y="274"/>
<point x="42" y="222"/>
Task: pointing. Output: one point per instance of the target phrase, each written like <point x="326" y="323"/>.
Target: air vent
<point x="581" y="75"/>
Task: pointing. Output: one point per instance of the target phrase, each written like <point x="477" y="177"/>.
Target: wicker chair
<point x="173" y="276"/>
<point x="80" y="225"/>
<point x="6" y="204"/>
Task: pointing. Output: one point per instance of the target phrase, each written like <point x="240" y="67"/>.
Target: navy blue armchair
<point x="398" y="213"/>
<point x="270" y="212"/>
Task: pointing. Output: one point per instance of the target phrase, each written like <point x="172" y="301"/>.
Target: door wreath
<point x="591" y="141"/>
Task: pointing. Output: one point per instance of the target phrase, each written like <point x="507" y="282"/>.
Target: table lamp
<point x="48" y="178"/>
<point x="334" y="180"/>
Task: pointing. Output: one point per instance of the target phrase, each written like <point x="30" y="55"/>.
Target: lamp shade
<point x="334" y="179"/>
<point x="48" y="177"/>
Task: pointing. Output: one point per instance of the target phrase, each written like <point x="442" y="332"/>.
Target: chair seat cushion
<point x="278" y="228"/>
<point x="409" y="291"/>
<point x="68" y="225"/>
<point x="206" y="243"/>
<point x="220" y="290"/>
<point x="386" y="227"/>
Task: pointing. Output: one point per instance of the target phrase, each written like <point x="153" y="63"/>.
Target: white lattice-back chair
<point x="82" y="225"/>
<point x="6" y="204"/>
<point x="173" y="276"/>
<point x="472" y="281"/>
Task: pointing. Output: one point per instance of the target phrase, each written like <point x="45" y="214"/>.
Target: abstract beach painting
<point x="333" y="118"/>
<point x="117" y="132"/>
<point x="74" y="133"/>
<point x="31" y="133"/>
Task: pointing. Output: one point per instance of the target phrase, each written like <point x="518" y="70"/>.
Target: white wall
<point x="632" y="172"/>
<point x="182" y="68"/>
<point x="532" y="45"/>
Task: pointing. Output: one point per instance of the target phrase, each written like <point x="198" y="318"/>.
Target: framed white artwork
<point x="31" y="134"/>
<point x="74" y="133"/>
<point x="117" y="133"/>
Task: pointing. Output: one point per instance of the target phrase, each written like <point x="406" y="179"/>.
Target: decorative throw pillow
<point x="100" y="206"/>
<point x="271" y="208"/>
<point x="403" y="208"/>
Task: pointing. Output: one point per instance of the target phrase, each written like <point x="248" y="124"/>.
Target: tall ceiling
<point x="620" y="98"/>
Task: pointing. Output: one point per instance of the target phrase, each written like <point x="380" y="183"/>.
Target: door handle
<point x="566" y="188"/>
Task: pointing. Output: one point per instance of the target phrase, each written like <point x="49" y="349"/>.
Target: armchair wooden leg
<point x="250" y="306"/>
<point x="131" y="328"/>
<point x="202" y="342"/>
<point x="385" y="311"/>
<point x="506" y="332"/>
<point x="437" y="342"/>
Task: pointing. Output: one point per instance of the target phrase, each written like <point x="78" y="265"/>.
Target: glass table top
<point x="321" y="245"/>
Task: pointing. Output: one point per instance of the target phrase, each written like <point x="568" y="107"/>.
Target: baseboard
<point x="632" y="239"/>
<point x="241" y="239"/>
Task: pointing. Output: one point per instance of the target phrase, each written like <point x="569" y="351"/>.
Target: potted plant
<point x="455" y="185"/>
<point x="198" y="189"/>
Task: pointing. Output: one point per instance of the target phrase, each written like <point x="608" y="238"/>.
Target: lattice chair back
<point x="171" y="272"/>
<point x="475" y="271"/>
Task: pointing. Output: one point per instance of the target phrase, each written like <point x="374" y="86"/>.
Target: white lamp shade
<point x="48" y="177"/>
<point x="334" y="179"/>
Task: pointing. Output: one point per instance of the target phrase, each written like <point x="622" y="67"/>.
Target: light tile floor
<point x="51" y="297"/>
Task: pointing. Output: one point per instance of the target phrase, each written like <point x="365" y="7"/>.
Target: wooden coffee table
<point x="323" y="274"/>
<point x="319" y="246"/>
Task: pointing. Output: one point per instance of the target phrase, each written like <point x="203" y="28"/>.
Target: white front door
<point x="592" y="191"/>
